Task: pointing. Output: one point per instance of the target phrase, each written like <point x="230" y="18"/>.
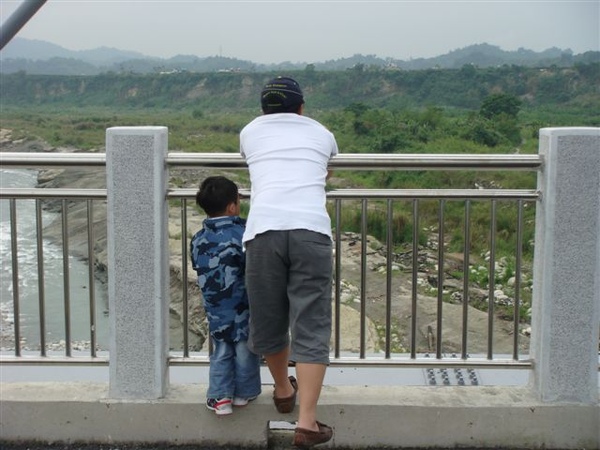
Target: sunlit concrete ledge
<point x="363" y="417"/>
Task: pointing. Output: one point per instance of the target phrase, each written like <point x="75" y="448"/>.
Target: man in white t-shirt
<point x="289" y="251"/>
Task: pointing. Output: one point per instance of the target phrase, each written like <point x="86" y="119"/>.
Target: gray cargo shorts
<point x="288" y="278"/>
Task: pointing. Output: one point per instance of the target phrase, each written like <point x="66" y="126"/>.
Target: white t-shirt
<point x="287" y="156"/>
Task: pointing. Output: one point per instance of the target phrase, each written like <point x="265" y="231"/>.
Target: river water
<point x="53" y="283"/>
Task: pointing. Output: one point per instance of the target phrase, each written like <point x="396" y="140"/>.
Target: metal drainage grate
<point x="451" y="377"/>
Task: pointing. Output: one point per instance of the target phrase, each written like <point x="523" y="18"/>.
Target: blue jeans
<point x="234" y="371"/>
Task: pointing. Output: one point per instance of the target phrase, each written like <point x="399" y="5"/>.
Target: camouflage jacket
<point x="219" y="260"/>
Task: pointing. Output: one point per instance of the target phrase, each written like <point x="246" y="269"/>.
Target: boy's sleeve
<point x="192" y="252"/>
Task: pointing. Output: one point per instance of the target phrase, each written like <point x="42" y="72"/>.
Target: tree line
<point x="464" y="88"/>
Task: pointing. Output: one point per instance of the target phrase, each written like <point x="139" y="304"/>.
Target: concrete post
<point x="566" y="296"/>
<point x="138" y="261"/>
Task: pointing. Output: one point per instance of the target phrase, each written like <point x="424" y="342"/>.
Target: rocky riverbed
<point x="350" y="276"/>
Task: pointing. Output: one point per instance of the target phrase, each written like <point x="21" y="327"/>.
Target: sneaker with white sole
<point x="242" y="401"/>
<point x="221" y="406"/>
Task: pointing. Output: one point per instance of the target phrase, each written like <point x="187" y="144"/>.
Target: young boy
<point x="219" y="260"/>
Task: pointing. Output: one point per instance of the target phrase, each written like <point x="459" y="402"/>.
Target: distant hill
<point x="36" y="50"/>
<point x="44" y="58"/>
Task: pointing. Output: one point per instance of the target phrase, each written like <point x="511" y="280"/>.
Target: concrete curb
<point x="362" y="416"/>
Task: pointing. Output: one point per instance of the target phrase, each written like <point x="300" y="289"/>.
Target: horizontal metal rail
<point x="434" y="193"/>
<point x="53" y="360"/>
<point x="49" y="160"/>
<point x="405" y="361"/>
<point x="502" y="194"/>
<point x="53" y="193"/>
<point x="482" y="194"/>
<point x="376" y="161"/>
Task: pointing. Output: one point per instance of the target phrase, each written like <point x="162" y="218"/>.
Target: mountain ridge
<point x="45" y="58"/>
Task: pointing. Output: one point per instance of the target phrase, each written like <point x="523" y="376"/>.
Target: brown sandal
<point x="304" y="438"/>
<point x="286" y="404"/>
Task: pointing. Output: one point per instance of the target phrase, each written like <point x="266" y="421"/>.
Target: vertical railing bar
<point x="492" y="282"/>
<point x="415" y="270"/>
<point x="466" y="264"/>
<point x="388" y="280"/>
<point x="184" y="277"/>
<point x="40" y="267"/>
<point x="91" y="278"/>
<point x="337" y="279"/>
<point x="66" y="278"/>
<point x="518" y="271"/>
<point x="440" y="277"/>
<point x="15" y="276"/>
<point x="363" y="278"/>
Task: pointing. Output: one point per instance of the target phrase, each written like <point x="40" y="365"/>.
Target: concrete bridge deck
<point x="362" y="417"/>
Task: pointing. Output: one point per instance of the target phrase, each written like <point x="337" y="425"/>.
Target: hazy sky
<point x="272" y="31"/>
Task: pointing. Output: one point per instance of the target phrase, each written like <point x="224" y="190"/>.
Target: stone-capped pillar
<point x="138" y="262"/>
<point x="566" y="296"/>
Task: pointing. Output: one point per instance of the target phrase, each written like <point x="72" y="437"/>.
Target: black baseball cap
<point x="281" y="94"/>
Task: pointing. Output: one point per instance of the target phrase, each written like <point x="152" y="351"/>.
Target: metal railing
<point x="336" y="199"/>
